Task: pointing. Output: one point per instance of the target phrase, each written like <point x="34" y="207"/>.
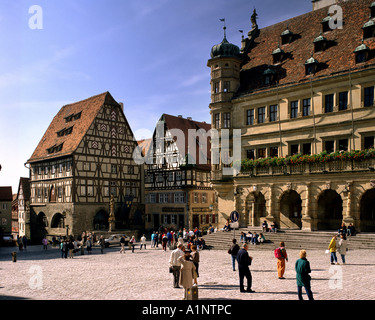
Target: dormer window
<point x="65" y="132"/>
<point x="325" y="24"/>
<point x="372" y="8"/>
<point x="268" y="76"/>
<point x="311" y="66"/>
<point x="73" y="116"/>
<point x="361" y="53"/>
<point x="320" y="43"/>
<point x="286" y="36"/>
<point x="55" y="148"/>
<point x="278" y="55"/>
<point x="368" y="29"/>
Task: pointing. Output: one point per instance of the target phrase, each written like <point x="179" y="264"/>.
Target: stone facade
<point x="289" y="101"/>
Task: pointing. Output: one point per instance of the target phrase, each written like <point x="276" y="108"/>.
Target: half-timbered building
<point x="84" y="158"/>
<point x="177" y="179"/>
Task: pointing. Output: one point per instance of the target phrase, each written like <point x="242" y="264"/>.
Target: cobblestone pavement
<point x="143" y="275"/>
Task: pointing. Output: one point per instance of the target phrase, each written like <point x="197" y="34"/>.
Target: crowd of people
<point x="168" y="238"/>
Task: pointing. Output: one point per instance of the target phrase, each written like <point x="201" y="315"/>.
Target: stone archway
<point x="330" y="210"/>
<point x="256" y="208"/>
<point x="101" y="220"/>
<point x="290" y="210"/>
<point x="57" y="221"/>
<point x="367" y="211"/>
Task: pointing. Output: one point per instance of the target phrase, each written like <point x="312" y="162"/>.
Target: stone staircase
<point x="294" y="239"/>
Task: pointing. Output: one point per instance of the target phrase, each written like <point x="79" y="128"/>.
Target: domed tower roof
<point x="225" y="48"/>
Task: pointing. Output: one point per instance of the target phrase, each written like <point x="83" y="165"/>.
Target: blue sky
<point x="149" y="54"/>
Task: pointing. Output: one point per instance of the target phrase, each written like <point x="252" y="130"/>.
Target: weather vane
<point x="224" y="28"/>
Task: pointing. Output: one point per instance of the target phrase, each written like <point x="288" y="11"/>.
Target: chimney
<point x="317" y="4"/>
<point x="180" y="116"/>
<point x="122" y="105"/>
<point x="189" y="118"/>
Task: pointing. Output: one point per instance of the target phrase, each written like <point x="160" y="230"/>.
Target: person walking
<point x="302" y="268"/>
<point x="164" y="242"/>
<point x="101" y="243"/>
<point x="89" y="245"/>
<point x="233" y="251"/>
<point x="175" y="264"/>
<point x="282" y="256"/>
<point x="45" y="243"/>
<point x="332" y="250"/>
<point x="244" y="261"/>
<point x="143" y="242"/>
<point x="122" y="243"/>
<point x="195" y="258"/>
<point x="188" y="272"/>
<point x="70" y="247"/>
<point x="132" y="243"/>
<point x="342" y="247"/>
<point x="62" y="248"/>
<point x="153" y="238"/>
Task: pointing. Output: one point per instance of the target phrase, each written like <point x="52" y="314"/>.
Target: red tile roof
<point x="88" y="110"/>
<point x="337" y="58"/>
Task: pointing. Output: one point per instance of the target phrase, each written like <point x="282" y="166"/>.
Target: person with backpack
<point x="281" y="256"/>
<point x="233" y="251"/>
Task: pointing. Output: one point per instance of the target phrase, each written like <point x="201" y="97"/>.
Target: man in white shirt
<point x="176" y="265"/>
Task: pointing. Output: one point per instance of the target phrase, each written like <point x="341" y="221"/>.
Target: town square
<point x="168" y="151"/>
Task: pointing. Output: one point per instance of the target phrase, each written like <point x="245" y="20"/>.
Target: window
<point x="360" y="57"/>
<point x="343" y="100"/>
<point x="179" y="197"/>
<point x="60" y="167"/>
<point x="216" y="87"/>
<point x="163" y="197"/>
<point x="343" y="144"/>
<point x="204" y="197"/>
<point x="226" y="120"/>
<point x="152" y="198"/>
<point x="325" y="24"/>
<point x="226" y="86"/>
<point x="294" y="149"/>
<point x="261" y="114"/>
<point x="369" y="96"/>
<point x="83" y="191"/>
<point x="196" y="197"/>
<point x="273" y="113"/>
<point x="274" y="151"/>
<point x="368" y="142"/>
<point x="113" y="168"/>
<point x="130" y="169"/>
<point x="306" y="148"/>
<point x="328" y="106"/>
<point x="60" y="192"/>
<point x="250" y="117"/>
<point x="113" y="188"/>
<point x="330" y="146"/>
<point x="217" y="120"/>
<point x="294" y="109"/>
<point x="306" y="107"/>
<point x="250" y="154"/>
<point x="261" y="152"/>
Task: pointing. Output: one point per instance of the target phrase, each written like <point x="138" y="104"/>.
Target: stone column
<point x="306" y="218"/>
<point x="270" y="215"/>
<point x="348" y="192"/>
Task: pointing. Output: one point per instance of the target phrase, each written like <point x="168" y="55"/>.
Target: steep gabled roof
<point x="337" y="58"/>
<point x="69" y="126"/>
<point x="186" y="124"/>
<point x="25" y="184"/>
